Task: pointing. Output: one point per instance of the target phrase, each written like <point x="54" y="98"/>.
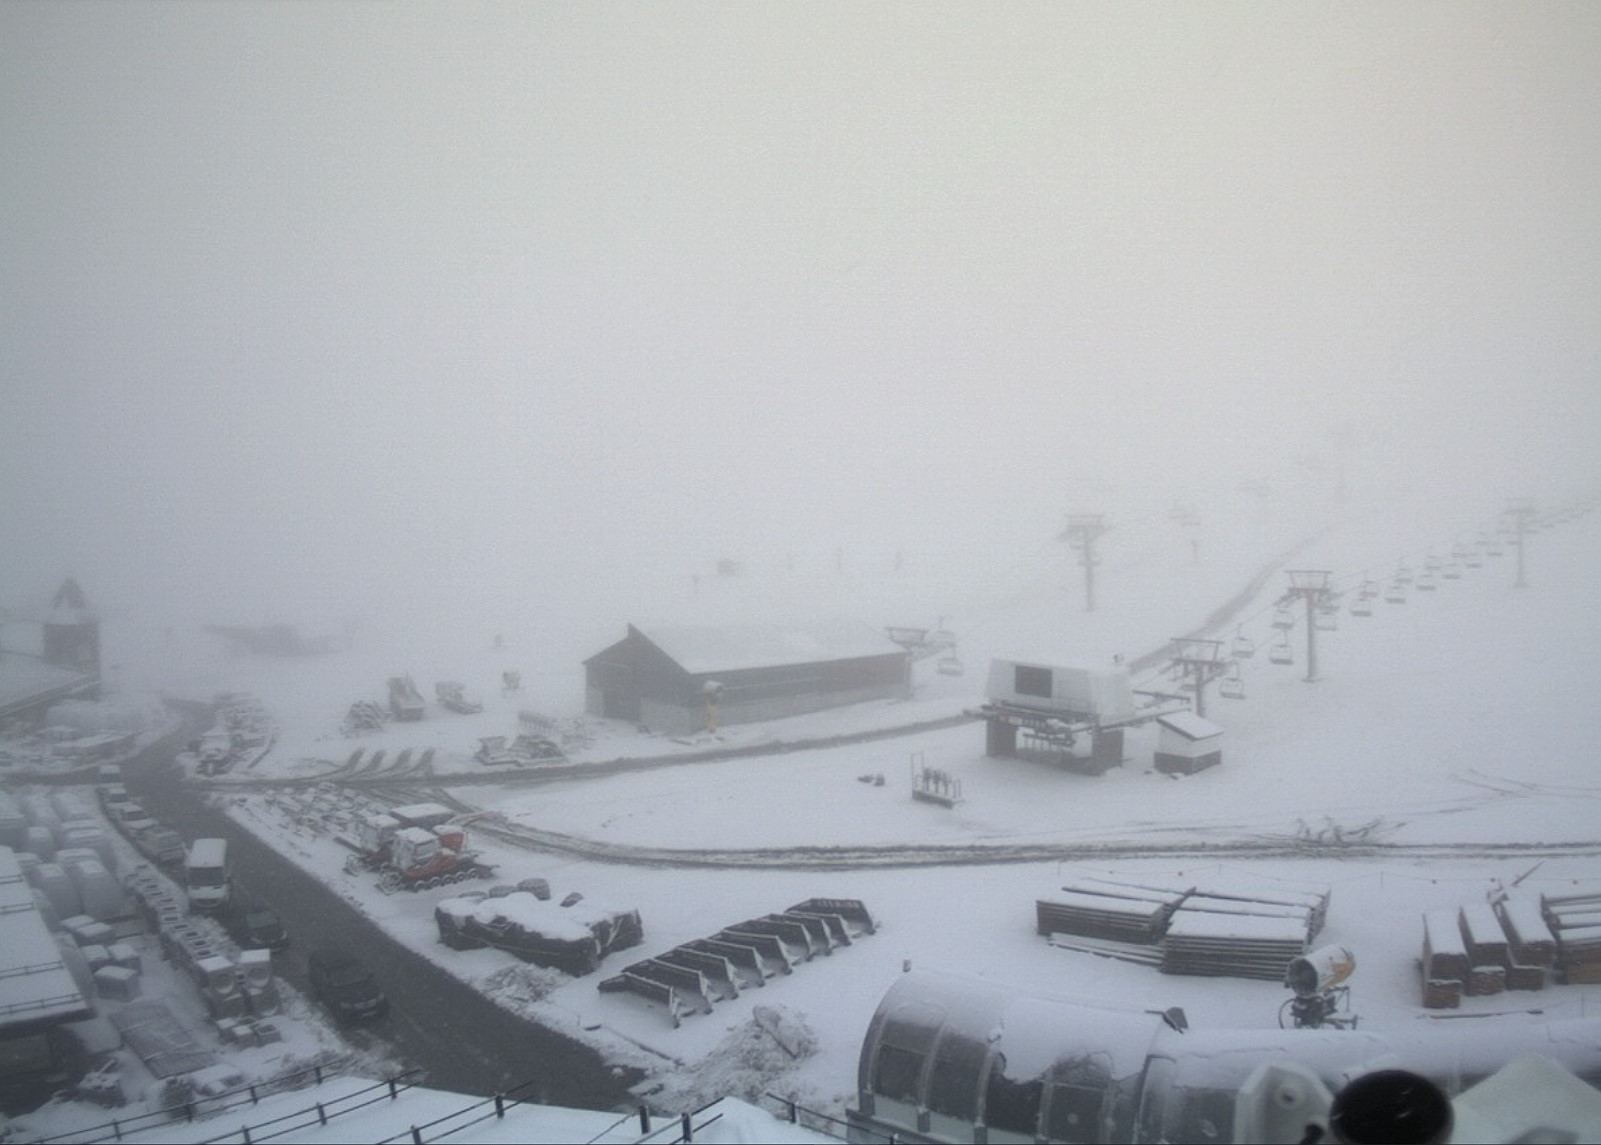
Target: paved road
<point x="459" y="1039"/>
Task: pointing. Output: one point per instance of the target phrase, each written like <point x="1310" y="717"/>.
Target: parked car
<point x="256" y="926"/>
<point x="345" y="986"/>
<point x="160" y="844"/>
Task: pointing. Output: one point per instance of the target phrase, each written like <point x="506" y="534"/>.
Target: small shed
<point x="682" y="679"/>
<point x="1186" y="743"/>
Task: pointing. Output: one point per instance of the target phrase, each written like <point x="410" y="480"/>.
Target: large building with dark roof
<point x="682" y="679"/>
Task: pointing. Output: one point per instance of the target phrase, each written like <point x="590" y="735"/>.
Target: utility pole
<point x="1520" y="511"/>
<point x="1312" y="586"/>
<point x="1080" y="534"/>
<point x="1199" y="662"/>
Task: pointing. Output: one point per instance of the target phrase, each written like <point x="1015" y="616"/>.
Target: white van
<point x="205" y="874"/>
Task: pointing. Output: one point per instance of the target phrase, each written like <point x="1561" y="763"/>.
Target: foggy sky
<point x="313" y="306"/>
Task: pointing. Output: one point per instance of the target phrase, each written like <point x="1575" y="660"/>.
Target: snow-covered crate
<point x="1483" y="936"/>
<point x="1445" y="955"/>
<point x="1531" y="941"/>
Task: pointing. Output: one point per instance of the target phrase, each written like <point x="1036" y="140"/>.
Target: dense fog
<point x="348" y="313"/>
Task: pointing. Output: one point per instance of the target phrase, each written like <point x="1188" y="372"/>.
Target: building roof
<point x="35" y="984"/>
<point x="1189" y="725"/>
<point x="727" y="648"/>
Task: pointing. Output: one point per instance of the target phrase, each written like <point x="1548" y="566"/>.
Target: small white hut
<point x="1186" y="743"/>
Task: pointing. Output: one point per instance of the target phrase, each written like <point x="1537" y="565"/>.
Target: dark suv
<point x="345" y="986"/>
<point x="256" y="926"/>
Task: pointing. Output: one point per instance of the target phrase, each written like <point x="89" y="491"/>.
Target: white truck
<point x="205" y="875"/>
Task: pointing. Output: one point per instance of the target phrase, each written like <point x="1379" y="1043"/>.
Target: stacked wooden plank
<point x="1531" y="947"/>
<point x="1307" y="901"/>
<point x="1486" y="945"/>
<point x="1124" y="918"/>
<point x="1574" y="916"/>
<point x="1238" y="945"/>
<point x="1445" y="960"/>
<point x="1230" y="925"/>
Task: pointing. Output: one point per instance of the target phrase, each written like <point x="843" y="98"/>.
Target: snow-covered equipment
<point x="364" y="716"/>
<point x="452" y="696"/>
<point x="215" y="754"/>
<point x="572" y="938"/>
<point x="405" y="701"/>
<point x="414" y="847"/>
<point x="1321" y="996"/>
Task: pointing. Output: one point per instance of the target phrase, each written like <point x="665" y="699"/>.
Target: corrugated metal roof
<point x="728" y="648"/>
<point x="35" y="983"/>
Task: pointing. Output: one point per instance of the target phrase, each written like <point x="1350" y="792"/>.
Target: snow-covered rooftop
<point x="700" y="649"/>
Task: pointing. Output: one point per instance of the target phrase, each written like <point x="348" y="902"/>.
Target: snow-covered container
<point x="70" y="809"/>
<point x="88" y="837"/>
<point x="572" y="938"/>
<point x="40" y="840"/>
<point x="55" y="885"/>
<point x="1102" y="696"/>
<point x="102" y="897"/>
<point x="13" y="823"/>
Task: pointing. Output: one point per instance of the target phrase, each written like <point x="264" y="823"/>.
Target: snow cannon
<point x="1320" y="971"/>
<point x="1321" y="996"/>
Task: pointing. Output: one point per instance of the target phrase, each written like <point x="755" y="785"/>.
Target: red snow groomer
<point x="414" y="848"/>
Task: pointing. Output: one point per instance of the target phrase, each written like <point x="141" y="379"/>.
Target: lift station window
<point x="1031" y="681"/>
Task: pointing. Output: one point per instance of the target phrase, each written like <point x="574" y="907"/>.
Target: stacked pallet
<point x="1574" y="917"/>
<point x="1445" y="960"/>
<point x="1123" y="918"/>
<point x="1531" y="947"/>
<point x="1230" y="925"/>
<point x="1236" y="945"/>
<point x="1486" y="945"/>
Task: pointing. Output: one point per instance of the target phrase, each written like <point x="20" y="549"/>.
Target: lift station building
<point x="1040" y="711"/>
<point x="682" y="679"/>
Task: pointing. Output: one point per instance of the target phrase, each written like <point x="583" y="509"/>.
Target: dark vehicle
<point x="345" y="986"/>
<point x="257" y="927"/>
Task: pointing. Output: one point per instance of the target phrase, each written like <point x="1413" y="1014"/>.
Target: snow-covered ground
<point x="1440" y="729"/>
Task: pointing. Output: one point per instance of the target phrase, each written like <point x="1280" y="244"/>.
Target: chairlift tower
<point x="1081" y="532"/>
<point x="1521" y="511"/>
<point x="1199" y="662"/>
<point x="1312" y="586"/>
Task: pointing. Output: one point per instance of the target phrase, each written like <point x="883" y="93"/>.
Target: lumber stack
<point x="1574" y="917"/>
<point x="1209" y="942"/>
<point x="1486" y="945"/>
<point x="1123" y="919"/>
<point x="1445" y="960"/>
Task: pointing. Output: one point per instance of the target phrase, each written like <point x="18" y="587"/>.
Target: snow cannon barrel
<point x="1321" y="970"/>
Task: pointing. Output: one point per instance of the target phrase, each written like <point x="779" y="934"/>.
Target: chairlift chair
<point x="1283" y="618"/>
<point x="1426" y="583"/>
<point x="1403" y="574"/>
<point x="1431" y="563"/>
<point x="1452" y="571"/>
<point x="1362" y="605"/>
<point x="1232" y="686"/>
<point x="1396" y="593"/>
<point x="1280" y="653"/>
<point x="1326" y="619"/>
<point x="1244" y="647"/>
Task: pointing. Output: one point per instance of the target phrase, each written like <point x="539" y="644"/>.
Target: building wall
<point x="635" y="680"/>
